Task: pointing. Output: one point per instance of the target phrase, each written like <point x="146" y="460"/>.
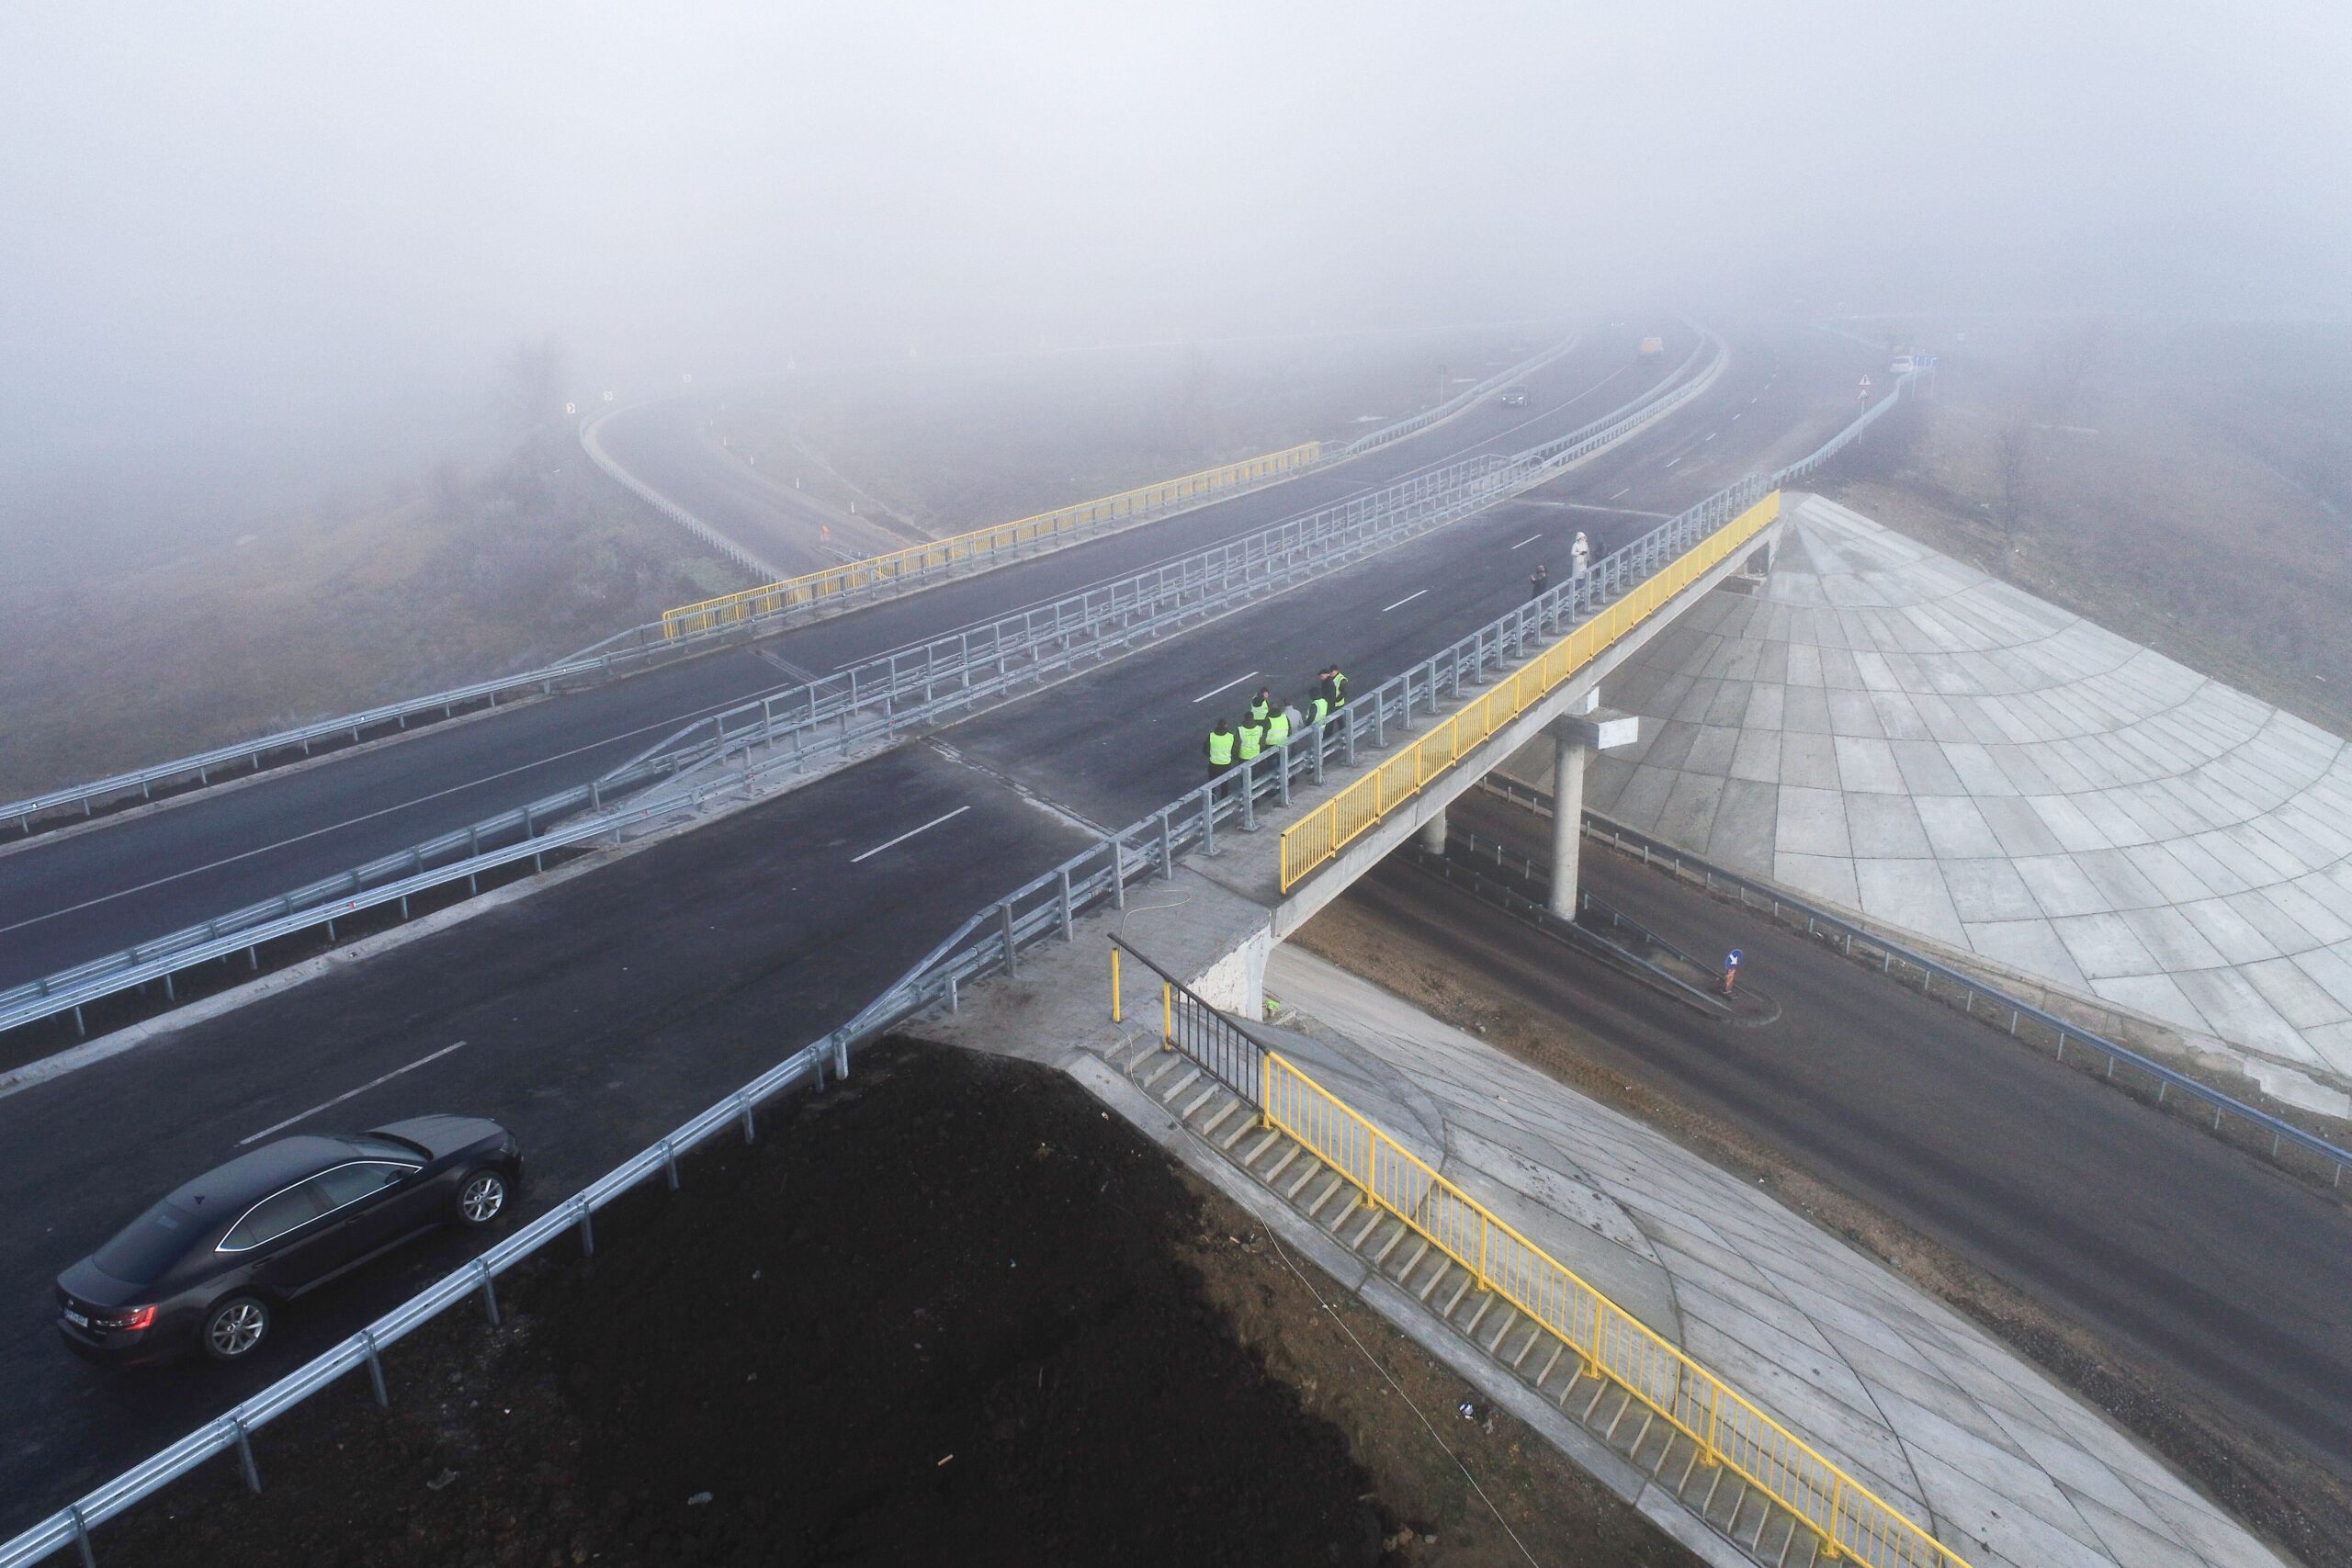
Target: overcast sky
<point x="262" y="228"/>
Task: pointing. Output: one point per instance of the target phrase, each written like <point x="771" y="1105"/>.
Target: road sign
<point x="1866" y="383"/>
<point x="1730" y="959"/>
<point x="572" y="408"/>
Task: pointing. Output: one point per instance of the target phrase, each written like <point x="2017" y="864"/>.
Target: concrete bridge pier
<point x="1575" y="738"/>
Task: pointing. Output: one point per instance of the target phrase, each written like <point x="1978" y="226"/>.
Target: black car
<point x="1514" y="397"/>
<point x="208" y="1267"/>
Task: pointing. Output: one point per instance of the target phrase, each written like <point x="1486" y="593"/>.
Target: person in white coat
<point x="1580" y="553"/>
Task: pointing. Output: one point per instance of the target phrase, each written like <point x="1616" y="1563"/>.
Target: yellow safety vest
<point x="1277" y="728"/>
<point x="1253" y="735"/>
<point x="1220" y="748"/>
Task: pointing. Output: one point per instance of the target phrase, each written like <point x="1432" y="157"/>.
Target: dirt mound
<point x="949" y="1310"/>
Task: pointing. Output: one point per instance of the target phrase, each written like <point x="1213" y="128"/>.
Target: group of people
<point x="1265" y="727"/>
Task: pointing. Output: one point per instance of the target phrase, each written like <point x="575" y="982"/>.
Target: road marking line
<point x="909" y="833"/>
<point x="1670" y="462"/>
<point x="1736" y="415"/>
<point x="1711" y="435"/>
<point x="1627" y="491"/>
<point x="1204" y="697"/>
<point x="1528" y="540"/>
<point x="1410" y="597"/>
<point x="347" y="1094"/>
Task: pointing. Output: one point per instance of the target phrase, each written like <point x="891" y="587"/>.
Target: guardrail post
<point x="374" y="1370"/>
<point x="1065" y="905"/>
<point x="1317" y="733"/>
<point x="1167" y="846"/>
<point x="1281" y="773"/>
<point x="1249" y="802"/>
<point x="1118" y="872"/>
<point x="750" y="1122"/>
<point x="670" y="1163"/>
<point x="1208" y="819"/>
<point x="82" y="1535"/>
<point x="488" y="1293"/>
<point x="245" y="1456"/>
<point x="1011" y="947"/>
<point x="587" y="1227"/>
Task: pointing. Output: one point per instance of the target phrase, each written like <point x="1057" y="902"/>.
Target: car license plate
<point x="76" y="1319"/>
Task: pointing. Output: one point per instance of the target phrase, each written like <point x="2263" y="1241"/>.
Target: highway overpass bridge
<point x="599" y="1012"/>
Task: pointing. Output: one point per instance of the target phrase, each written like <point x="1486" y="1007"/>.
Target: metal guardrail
<point x="1338" y="822"/>
<point x="918" y="565"/>
<point x="949" y="674"/>
<point x="1851" y="935"/>
<point x="862" y="707"/>
<point x="1729" y="1430"/>
<point x="614" y="655"/>
<point x="1205" y="1037"/>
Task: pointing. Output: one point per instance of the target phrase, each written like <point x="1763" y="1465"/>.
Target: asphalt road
<point x="70" y="899"/>
<point x="667" y="444"/>
<point x="2229" y="1274"/>
<point x="600" y="1012"/>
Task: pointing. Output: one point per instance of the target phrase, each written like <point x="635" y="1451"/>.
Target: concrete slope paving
<point x="1892" y="732"/>
<point x="597" y="1014"/>
<point x="2151" y="1235"/>
<point x="75" y="897"/>
<point x="1920" y="1405"/>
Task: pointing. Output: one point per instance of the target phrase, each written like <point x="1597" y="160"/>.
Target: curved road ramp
<point x="1888" y="730"/>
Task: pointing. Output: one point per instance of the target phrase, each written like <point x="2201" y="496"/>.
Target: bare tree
<point x="2013" y="450"/>
<point x="531" y="387"/>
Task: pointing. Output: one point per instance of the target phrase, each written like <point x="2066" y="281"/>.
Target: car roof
<point x="254" y="1175"/>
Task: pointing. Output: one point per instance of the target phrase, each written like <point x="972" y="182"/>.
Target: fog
<point x="249" y="252"/>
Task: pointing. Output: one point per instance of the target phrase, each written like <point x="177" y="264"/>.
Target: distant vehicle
<point x="1514" y="397"/>
<point x="209" y="1267"/>
<point x="1902" y="364"/>
<point x="1651" y="347"/>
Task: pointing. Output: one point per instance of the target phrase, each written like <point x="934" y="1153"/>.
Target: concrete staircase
<point x="1762" y="1529"/>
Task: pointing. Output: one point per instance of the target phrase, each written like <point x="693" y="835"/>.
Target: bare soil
<point x="2281" y="1494"/>
<point x="951" y="1311"/>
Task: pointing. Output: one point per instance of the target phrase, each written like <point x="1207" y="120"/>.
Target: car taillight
<point x="130" y="1322"/>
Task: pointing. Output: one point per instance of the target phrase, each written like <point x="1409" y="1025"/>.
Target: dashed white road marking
<point x="346" y="1094"/>
<point x="1204" y="697"/>
<point x="1533" y="537"/>
<point x="1671" y="461"/>
<point x="1410" y="597"/>
<point x="1627" y="491"/>
<point x="909" y="834"/>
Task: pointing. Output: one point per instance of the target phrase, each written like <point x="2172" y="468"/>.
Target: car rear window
<point x="148" y="1245"/>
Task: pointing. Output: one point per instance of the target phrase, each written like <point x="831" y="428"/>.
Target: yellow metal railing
<point x="1338" y="822"/>
<point x="917" y="560"/>
<point x="1854" y="1520"/>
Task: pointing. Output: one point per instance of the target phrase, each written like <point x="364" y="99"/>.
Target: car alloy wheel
<point x="235" y="1326"/>
<point x="481" y="1197"/>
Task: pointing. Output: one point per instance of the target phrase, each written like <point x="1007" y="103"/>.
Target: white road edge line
<point x="1533" y="537"/>
<point x="912" y="831"/>
<point x="1204" y="697"/>
<point x="1410" y="597"/>
<point x="347" y="1094"/>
